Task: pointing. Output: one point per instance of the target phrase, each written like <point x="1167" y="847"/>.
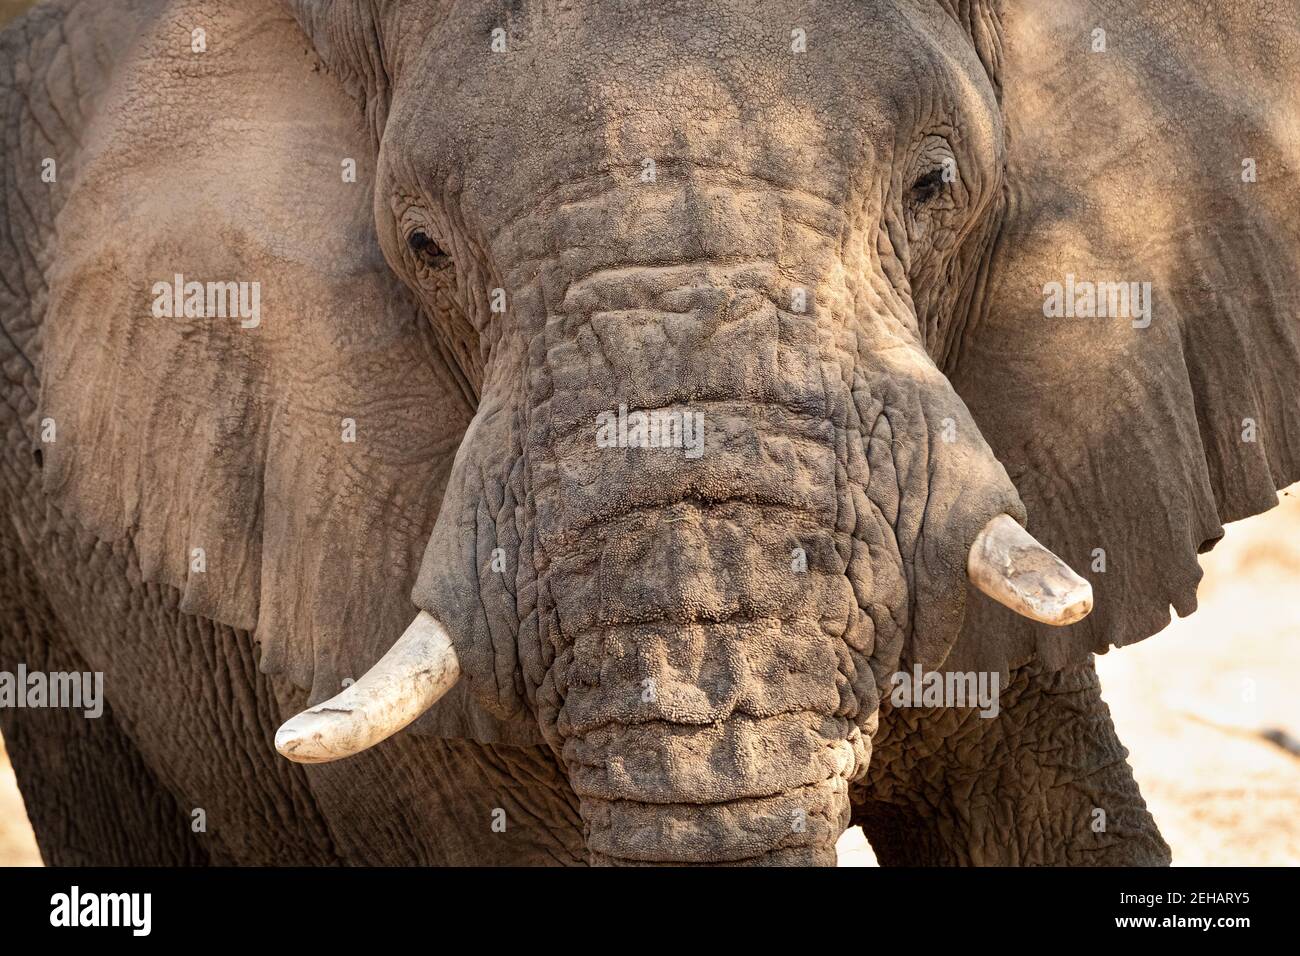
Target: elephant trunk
<point x="705" y="690"/>
<point x="746" y="790"/>
<point x="705" y="660"/>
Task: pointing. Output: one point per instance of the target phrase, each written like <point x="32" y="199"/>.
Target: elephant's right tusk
<point x="1012" y="568"/>
<point x="403" y="684"/>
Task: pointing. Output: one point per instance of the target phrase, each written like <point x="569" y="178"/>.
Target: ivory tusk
<point x="417" y="670"/>
<point x="1010" y="566"/>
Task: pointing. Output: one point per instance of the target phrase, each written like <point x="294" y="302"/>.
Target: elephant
<point x="578" y="433"/>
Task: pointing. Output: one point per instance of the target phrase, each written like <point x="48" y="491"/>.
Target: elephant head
<point x="707" y="356"/>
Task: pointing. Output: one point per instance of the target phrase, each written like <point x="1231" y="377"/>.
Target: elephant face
<point x="776" y="272"/>
<point x="733" y="320"/>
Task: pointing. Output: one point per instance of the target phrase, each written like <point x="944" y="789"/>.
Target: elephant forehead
<point x="809" y="96"/>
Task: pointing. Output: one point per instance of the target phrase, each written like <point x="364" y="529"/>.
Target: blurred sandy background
<point x="1209" y="709"/>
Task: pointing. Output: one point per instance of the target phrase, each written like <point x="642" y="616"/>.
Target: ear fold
<point x="281" y="467"/>
<point x="1144" y="147"/>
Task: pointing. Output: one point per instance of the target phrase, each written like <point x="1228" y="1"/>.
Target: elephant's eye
<point x="928" y="186"/>
<point x="427" y="249"/>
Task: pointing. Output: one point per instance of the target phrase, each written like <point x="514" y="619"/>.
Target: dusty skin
<point x="825" y="229"/>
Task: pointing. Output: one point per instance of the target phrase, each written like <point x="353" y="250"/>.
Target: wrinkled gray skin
<point x="649" y="679"/>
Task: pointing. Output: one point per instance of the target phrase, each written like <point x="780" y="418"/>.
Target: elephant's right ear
<point x="236" y="386"/>
<point x="1134" y="357"/>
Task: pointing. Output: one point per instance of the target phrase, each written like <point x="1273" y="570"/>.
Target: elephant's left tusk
<point x="1010" y="566"/>
<point x="403" y="684"/>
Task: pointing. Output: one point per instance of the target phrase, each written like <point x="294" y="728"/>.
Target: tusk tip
<point x="1008" y="565"/>
<point x="415" y="673"/>
<point x="1060" y="602"/>
<point x="299" y="741"/>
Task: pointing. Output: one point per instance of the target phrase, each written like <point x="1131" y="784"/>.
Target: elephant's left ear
<point x="1134" y="357"/>
<point x="235" y="388"/>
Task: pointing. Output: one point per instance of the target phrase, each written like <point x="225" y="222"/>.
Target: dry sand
<point x="17" y="845"/>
